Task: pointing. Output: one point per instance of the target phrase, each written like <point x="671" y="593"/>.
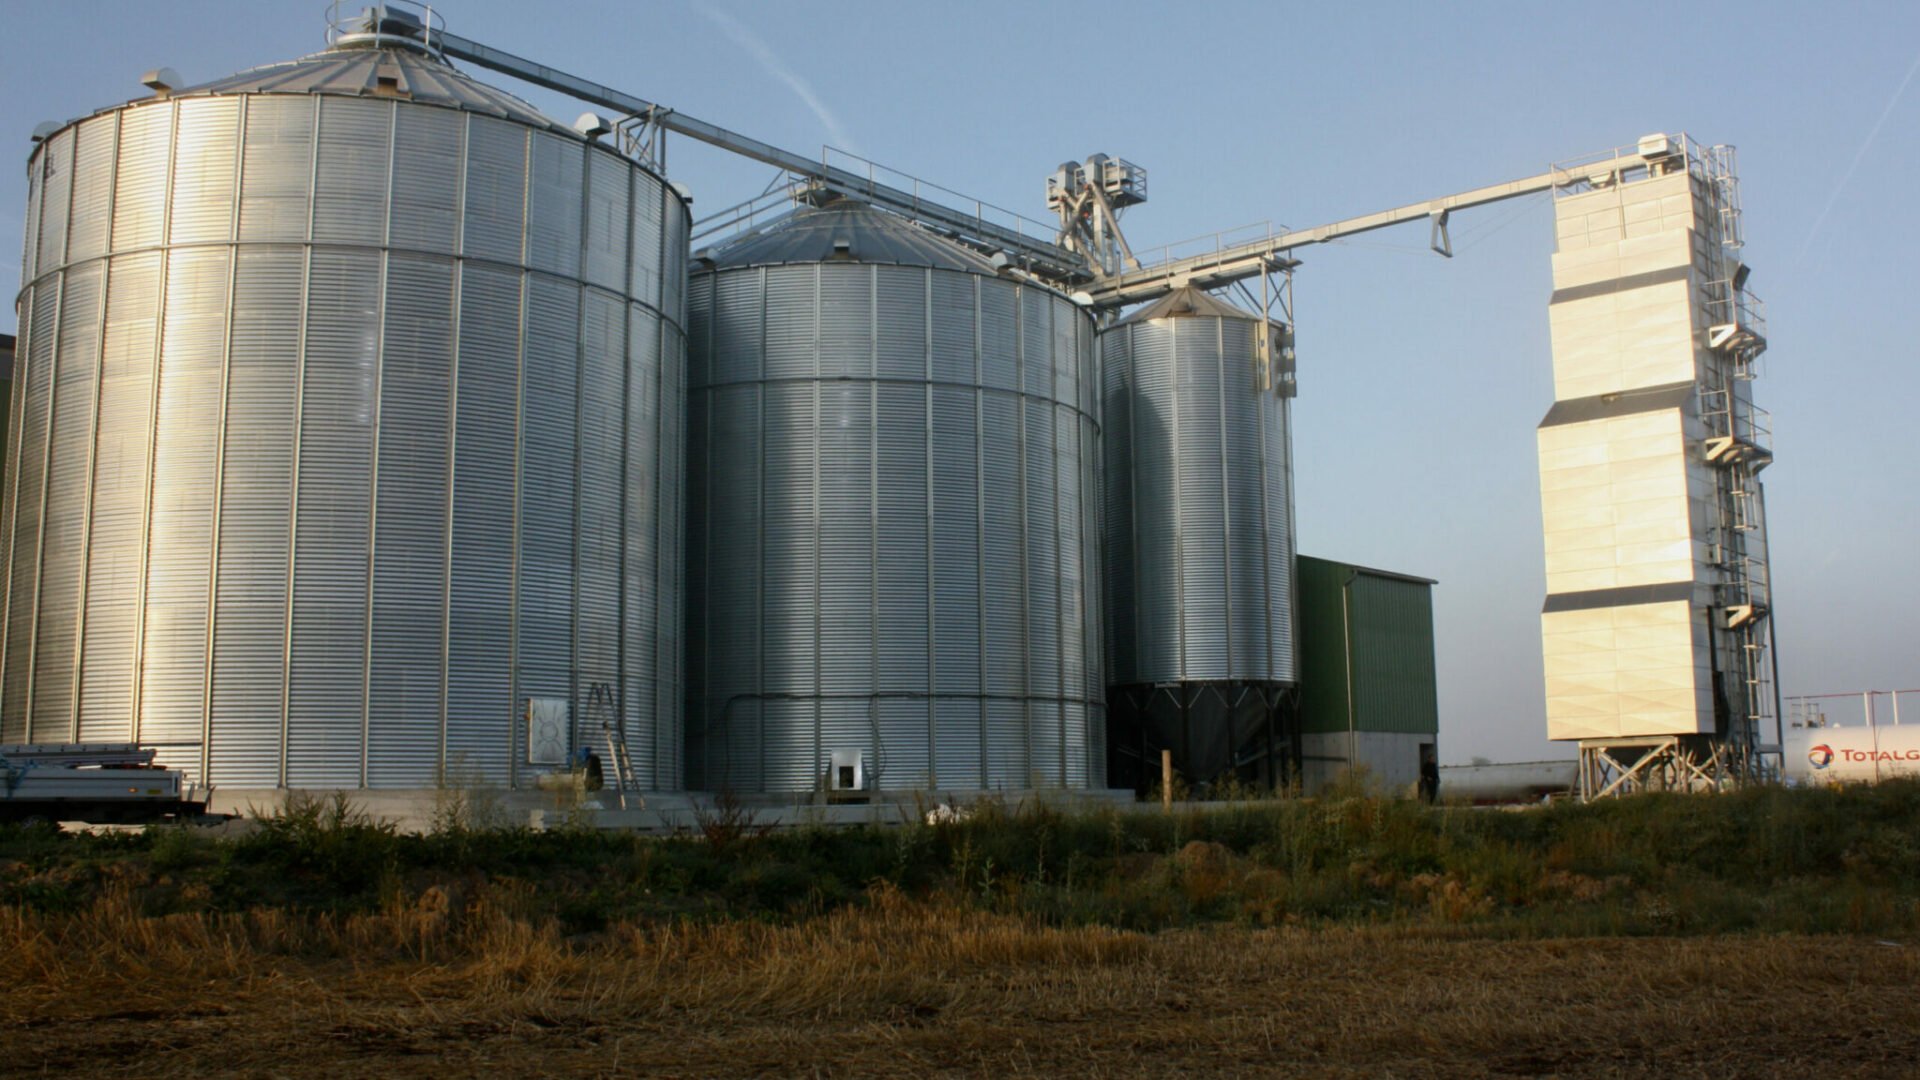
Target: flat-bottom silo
<point x="1199" y="542"/>
<point x="347" y="423"/>
<point x="892" y="542"/>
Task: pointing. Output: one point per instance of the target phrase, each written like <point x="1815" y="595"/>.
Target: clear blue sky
<point x="1421" y="379"/>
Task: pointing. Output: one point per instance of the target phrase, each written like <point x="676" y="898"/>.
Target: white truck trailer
<point x="96" y="783"/>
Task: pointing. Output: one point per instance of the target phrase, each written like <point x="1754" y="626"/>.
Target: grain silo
<point x="349" y="426"/>
<point x="892" y="540"/>
<point x="1199" y="538"/>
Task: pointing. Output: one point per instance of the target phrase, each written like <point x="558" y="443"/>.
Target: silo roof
<point x="361" y="72"/>
<point x="847" y="230"/>
<point x="1187" y="302"/>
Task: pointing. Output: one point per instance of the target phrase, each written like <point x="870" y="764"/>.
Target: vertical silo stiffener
<point x="892" y="538"/>
<point x="349" y="421"/>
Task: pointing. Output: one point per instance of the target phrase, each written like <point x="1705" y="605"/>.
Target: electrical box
<point x="547" y="723"/>
<point x="848" y="771"/>
<point x="1658" y="145"/>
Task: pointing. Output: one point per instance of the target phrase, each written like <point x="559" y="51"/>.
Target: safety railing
<point x="1736" y="305"/>
<point x="1727" y="414"/>
<point x="1625" y="164"/>
<point x="752" y="215"/>
<point x="384" y="22"/>
<point x="1209" y="243"/>
<point x="1853" y="708"/>
<point x="934" y="195"/>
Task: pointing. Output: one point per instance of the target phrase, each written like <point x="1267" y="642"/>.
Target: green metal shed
<point x="1368" y="693"/>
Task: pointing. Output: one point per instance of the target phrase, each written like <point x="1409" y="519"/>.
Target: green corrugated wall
<point x="1386" y="625"/>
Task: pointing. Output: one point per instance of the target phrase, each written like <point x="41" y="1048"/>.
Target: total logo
<point x="1820" y="756"/>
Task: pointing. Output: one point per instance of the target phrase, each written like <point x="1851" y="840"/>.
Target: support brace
<point x="1437" y="238"/>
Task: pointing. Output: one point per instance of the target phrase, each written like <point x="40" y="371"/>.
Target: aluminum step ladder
<point x="613" y="725"/>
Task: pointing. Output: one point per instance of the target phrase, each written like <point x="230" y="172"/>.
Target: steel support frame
<point x="1090" y="225"/>
<point x="1685" y="763"/>
<point x="1275" y="749"/>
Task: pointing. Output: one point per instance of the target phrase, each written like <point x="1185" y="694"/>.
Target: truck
<point x="94" y="783"/>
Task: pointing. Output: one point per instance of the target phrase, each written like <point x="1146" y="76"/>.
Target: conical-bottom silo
<point x="892" y="542"/>
<point x="348" y="427"/>
<point x="1199" y="542"/>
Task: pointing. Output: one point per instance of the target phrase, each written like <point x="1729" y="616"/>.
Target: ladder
<point x="601" y="703"/>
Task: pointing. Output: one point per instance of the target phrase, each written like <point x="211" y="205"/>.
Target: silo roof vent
<point x="162" y="81"/>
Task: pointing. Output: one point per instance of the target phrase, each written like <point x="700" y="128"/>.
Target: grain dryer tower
<point x="893" y="547"/>
<point x="1198" y="537"/>
<point x="347" y="423"/>
<point x="1655" y="631"/>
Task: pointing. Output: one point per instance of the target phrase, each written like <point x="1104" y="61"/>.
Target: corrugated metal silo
<point x="350" y="420"/>
<point x="1199" y="537"/>
<point x="892" y="465"/>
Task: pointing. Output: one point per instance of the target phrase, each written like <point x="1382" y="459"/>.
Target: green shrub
<point x="326" y="842"/>
<point x="1843" y="860"/>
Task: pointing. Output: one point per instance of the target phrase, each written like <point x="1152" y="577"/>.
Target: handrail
<point x="983" y="211"/>
<point x="347" y="23"/>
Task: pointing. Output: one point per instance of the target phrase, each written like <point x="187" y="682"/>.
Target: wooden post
<point x="1166" y="780"/>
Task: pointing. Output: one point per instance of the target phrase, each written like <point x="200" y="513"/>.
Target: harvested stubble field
<point x="1766" y="933"/>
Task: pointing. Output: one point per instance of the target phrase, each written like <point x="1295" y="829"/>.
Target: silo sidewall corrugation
<point x="893" y="542"/>
<point x="1198" y="518"/>
<point x="345" y="424"/>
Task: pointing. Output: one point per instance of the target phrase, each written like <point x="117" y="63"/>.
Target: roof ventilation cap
<point x="592" y="125"/>
<point x="162" y="81"/>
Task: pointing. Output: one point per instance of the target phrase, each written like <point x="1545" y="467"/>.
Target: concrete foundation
<point x="1392" y="759"/>
<point x="423" y="810"/>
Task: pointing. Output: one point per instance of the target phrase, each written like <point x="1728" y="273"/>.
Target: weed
<point x="466" y="803"/>
<point x="178" y="847"/>
<point x="728" y="824"/>
<point x="1774" y="860"/>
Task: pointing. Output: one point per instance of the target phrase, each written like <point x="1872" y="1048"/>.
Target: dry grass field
<point x="1765" y="933"/>
<point x="899" y="987"/>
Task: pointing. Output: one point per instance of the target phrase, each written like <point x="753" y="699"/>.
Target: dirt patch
<point x="904" y="988"/>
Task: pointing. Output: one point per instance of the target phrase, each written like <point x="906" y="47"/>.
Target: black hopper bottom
<point x="1243" y="731"/>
